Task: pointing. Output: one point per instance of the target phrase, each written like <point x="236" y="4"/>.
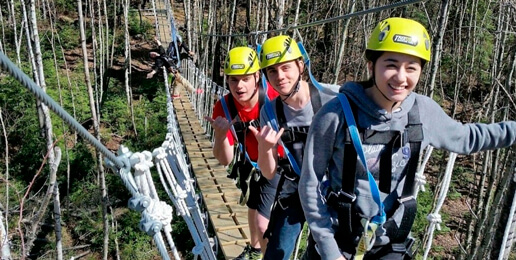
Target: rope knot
<point x="420" y="181"/>
<point x="434" y="218"/>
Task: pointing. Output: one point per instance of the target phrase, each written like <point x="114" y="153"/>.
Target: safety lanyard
<point x="308" y="64"/>
<point x="357" y="143"/>
<point x="228" y="116"/>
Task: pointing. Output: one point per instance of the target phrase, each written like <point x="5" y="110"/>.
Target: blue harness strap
<point x="357" y="143"/>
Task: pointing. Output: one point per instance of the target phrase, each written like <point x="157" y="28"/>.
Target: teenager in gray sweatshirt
<point x="395" y="125"/>
<point x="298" y="101"/>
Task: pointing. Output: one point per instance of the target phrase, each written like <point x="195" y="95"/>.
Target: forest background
<point x="91" y="56"/>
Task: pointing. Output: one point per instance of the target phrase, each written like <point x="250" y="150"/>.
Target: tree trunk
<point x="343" y="38"/>
<point x="5" y="251"/>
<point x="127" y="65"/>
<point x="57" y="214"/>
<point x="38" y="217"/>
<point x="437" y="45"/>
<point x="15" y="31"/>
<point x="100" y="167"/>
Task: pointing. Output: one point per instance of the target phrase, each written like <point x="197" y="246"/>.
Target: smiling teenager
<point x="298" y="101"/>
<point x="364" y="208"/>
<point x="243" y="105"/>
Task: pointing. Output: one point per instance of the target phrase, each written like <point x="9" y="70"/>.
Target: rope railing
<point x="435" y="218"/>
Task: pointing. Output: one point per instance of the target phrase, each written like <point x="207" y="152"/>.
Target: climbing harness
<point x="350" y="223"/>
<point x="243" y="167"/>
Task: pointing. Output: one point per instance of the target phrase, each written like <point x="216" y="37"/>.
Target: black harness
<point x="294" y="134"/>
<point x="290" y="136"/>
<point x="350" y="228"/>
<point x="242" y="128"/>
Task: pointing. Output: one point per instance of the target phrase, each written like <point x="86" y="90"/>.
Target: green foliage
<point x="424" y="207"/>
<point x="135" y="244"/>
<point x="137" y="26"/>
<point x="70" y="36"/>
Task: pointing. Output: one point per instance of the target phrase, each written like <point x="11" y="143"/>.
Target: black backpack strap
<point x="315" y="98"/>
<point x="261" y="97"/>
<point x="239" y="126"/>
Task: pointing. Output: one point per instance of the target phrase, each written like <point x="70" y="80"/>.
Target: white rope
<point x="508" y="235"/>
<point x="435" y="218"/>
<point x="420" y="174"/>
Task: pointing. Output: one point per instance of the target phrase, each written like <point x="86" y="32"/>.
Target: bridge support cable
<point x="9" y="66"/>
<point x="156" y="215"/>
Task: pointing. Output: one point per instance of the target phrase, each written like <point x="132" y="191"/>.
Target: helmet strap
<point x="294" y="90"/>
<point x="375" y="85"/>
<point x="297" y="85"/>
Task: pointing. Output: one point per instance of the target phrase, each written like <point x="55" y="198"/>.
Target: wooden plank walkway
<point x="220" y="194"/>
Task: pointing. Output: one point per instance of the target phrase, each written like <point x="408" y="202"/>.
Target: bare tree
<point x="53" y="164"/>
<point x="344" y="36"/>
<point x="94" y="116"/>
<point x="15" y="31"/>
<point x="5" y="251"/>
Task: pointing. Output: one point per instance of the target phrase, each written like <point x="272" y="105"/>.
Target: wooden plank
<point x="219" y="193"/>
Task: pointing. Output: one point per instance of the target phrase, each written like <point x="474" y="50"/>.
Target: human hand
<point x="150" y="74"/>
<point x="156" y="40"/>
<point x="220" y="124"/>
<point x="267" y="137"/>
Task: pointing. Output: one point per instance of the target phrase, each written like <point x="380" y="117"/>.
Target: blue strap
<point x="357" y="143"/>
<point x="173" y="29"/>
<point x="309" y="65"/>
<point x="240" y="146"/>
<point x="274" y="124"/>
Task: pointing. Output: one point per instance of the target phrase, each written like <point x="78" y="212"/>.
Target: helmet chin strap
<point x="384" y="96"/>
<point x="294" y="90"/>
<point x="388" y="99"/>
<point x="297" y="86"/>
<point x="254" y="93"/>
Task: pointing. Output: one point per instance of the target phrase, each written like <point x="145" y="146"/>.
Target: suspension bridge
<point x="194" y="181"/>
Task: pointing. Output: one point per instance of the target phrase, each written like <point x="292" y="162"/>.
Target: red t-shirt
<point x="251" y="144"/>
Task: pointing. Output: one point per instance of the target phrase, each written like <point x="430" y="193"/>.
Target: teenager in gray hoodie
<point x="338" y="195"/>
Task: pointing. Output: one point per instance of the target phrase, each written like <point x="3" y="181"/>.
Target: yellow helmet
<point x="400" y="35"/>
<point x="241" y="61"/>
<point x="278" y="49"/>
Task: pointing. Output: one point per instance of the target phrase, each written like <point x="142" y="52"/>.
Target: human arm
<point x="157" y="40"/>
<point x="323" y="151"/>
<point x="184" y="47"/>
<point x="443" y="132"/>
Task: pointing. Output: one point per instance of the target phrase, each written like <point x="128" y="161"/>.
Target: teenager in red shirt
<point x="242" y="106"/>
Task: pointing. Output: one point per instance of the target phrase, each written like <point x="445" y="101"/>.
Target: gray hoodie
<point x="324" y="150"/>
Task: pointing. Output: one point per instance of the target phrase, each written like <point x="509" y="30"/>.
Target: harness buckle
<point x="280" y="203"/>
<point x="405" y="199"/>
<point x="351" y="197"/>
<point x="254" y="123"/>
